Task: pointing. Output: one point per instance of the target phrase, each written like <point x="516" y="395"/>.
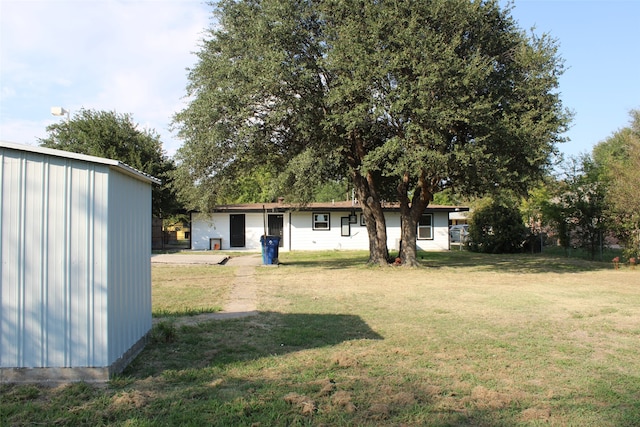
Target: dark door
<point x="276" y="225"/>
<point x="236" y="239"/>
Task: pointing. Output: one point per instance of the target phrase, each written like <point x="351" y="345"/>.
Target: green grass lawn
<point x="468" y="339"/>
<point x="180" y="290"/>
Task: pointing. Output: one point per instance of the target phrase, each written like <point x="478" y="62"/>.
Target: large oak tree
<point x="405" y="98"/>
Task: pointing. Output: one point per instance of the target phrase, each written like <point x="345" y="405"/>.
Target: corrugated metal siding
<point x="54" y="283"/>
<point x="129" y="262"/>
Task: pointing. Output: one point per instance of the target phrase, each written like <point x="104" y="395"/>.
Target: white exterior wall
<point x="204" y="227"/>
<point x="300" y="236"/>
<point x="75" y="245"/>
<point x="440" y="241"/>
<point x="393" y="231"/>
<point x="304" y="237"/>
<point x="217" y="225"/>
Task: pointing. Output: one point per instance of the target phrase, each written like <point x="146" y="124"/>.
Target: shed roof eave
<point x="115" y="164"/>
<point x="128" y="170"/>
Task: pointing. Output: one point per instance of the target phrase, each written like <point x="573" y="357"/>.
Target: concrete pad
<point x="251" y="260"/>
<point x="182" y="259"/>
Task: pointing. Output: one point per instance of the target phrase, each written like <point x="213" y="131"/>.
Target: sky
<point x="132" y="56"/>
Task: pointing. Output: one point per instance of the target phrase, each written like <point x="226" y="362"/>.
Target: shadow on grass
<point x="330" y="260"/>
<point x="216" y="343"/>
<point x="193" y="385"/>
<point x="194" y="388"/>
<point x="508" y="263"/>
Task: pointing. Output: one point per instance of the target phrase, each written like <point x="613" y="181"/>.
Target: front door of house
<point x="276" y="225"/>
<point x="236" y="230"/>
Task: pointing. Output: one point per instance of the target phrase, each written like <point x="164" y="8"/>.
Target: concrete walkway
<point x="243" y="297"/>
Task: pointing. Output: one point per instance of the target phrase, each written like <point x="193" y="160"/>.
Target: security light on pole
<point x="59" y="111"/>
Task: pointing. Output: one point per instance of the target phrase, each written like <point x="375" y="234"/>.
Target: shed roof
<point x="115" y="164"/>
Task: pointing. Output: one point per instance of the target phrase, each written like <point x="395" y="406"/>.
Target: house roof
<point x="324" y="206"/>
<point x="115" y="164"/>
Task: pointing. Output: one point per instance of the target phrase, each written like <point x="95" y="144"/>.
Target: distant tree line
<point x="116" y="136"/>
<point x="590" y="202"/>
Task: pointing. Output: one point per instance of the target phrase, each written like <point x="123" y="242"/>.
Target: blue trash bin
<point x="270" y="245"/>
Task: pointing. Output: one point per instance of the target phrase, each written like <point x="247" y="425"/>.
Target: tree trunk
<point x="410" y="213"/>
<point x="374" y="219"/>
<point x="408" y="231"/>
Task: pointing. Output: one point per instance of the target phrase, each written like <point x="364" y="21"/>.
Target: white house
<point x="75" y="245"/>
<point x="318" y="226"/>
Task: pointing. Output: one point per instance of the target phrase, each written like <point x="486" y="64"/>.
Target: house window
<point x="345" y="229"/>
<point x="321" y="221"/>
<point x="425" y="227"/>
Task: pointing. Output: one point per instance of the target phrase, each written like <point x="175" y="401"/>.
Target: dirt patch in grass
<point x="343" y="400"/>
<point x="535" y="415"/>
<point x="484" y="398"/>
<point x="130" y="399"/>
<point x="304" y="404"/>
<point x="328" y="387"/>
<point x="344" y="360"/>
<point x="378" y="412"/>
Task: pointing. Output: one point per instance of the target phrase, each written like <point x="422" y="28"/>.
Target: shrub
<point x="497" y="228"/>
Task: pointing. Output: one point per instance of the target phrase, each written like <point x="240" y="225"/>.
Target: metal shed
<point x="75" y="245"/>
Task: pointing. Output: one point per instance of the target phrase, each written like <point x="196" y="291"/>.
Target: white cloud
<point x="127" y="56"/>
<point x="24" y="131"/>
